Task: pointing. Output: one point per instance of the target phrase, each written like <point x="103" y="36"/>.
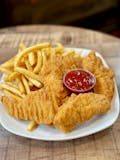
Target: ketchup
<point x="79" y="80"/>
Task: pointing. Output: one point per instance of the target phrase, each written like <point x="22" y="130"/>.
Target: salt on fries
<point x="22" y="71"/>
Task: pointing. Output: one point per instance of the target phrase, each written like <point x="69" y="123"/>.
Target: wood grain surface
<point x="104" y="145"/>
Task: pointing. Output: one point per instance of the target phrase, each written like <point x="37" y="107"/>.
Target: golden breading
<point x="52" y="82"/>
<point x="40" y="106"/>
<point x="108" y="72"/>
<point x="80" y="108"/>
<point x="53" y="69"/>
<point x="104" y="85"/>
<point x="104" y="76"/>
<point x="58" y="64"/>
<point x="92" y="63"/>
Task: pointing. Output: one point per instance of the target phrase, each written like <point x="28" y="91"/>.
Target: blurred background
<point x="102" y="15"/>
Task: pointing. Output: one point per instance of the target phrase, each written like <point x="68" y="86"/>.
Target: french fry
<point x="31" y="57"/>
<point x="48" y="51"/>
<point x="59" y="45"/>
<point x="21" y="47"/>
<point x="9" y="63"/>
<point x="30" y="84"/>
<point x="35" y="82"/>
<point x="26" y="85"/>
<point x="28" y="65"/>
<point x="32" y="125"/>
<point x="39" y="62"/>
<point x="6" y="77"/>
<point x="28" y="50"/>
<point x="72" y="52"/>
<point x="12" y="76"/>
<point x="26" y="72"/>
<point x="5" y="70"/>
<point x="11" y="89"/>
<point x="20" y="84"/>
<point x="59" y="48"/>
<point x="12" y="85"/>
<point x="11" y="94"/>
<point x="78" y="55"/>
<point x="44" y="56"/>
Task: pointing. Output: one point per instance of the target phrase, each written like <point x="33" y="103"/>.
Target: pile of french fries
<point x="21" y="72"/>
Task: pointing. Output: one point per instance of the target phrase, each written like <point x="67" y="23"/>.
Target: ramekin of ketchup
<point x="79" y="80"/>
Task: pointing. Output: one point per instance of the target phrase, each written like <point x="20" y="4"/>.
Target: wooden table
<point x="104" y="145"/>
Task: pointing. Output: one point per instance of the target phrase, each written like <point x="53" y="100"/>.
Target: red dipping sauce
<point x="79" y="80"/>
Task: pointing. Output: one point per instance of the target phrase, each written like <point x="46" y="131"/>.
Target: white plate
<point x="43" y="132"/>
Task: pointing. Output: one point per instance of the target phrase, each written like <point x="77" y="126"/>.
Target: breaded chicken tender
<point x="54" y="83"/>
<point x="80" y="108"/>
<point x="104" y="76"/>
<point x="104" y="85"/>
<point x="40" y="106"/>
<point x="93" y="63"/>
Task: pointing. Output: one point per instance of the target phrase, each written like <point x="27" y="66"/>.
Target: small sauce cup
<point x="79" y="81"/>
